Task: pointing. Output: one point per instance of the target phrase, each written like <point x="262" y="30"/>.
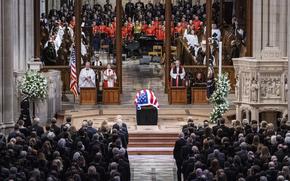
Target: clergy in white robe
<point x="109" y="77"/>
<point x="177" y="74"/>
<point x="87" y="77"/>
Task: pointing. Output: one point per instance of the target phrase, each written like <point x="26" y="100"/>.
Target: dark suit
<point x="38" y="129"/>
<point x="219" y="156"/>
<point x="124" y="168"/>
<point x="187" y="167"/>
<point x="177" y="155"/>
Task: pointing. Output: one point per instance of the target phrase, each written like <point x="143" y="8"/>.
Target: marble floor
<point x="137" y="77"/>
<point x="152" y="168"/>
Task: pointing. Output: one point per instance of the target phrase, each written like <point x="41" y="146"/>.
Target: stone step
<point x="154" y="135"/>
<point x="151" y="143"/>
<point x="150" y="151"/>
<point x="148" y="139"/>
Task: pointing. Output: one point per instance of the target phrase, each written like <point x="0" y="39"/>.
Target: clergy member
<point x="177" y="74"/>
<point x="109" y="77"/>
<point x="87" y="77"/>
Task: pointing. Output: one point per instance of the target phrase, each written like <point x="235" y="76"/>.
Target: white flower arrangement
<point x="34" y="85"/>
<point x="219" y="97"/>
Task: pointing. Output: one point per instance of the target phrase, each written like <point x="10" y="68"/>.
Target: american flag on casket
<point x="146" y="97"/>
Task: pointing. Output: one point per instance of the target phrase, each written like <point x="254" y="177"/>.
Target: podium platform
<point x="199" y="95"/>
<point x="111" y="95"/>
<point x="177" y="95"/>
<point x="148" y="115"/>
<point x="88" y="96"/>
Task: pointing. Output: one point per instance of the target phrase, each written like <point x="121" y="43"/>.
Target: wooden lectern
<point x="111" y="95"/>
<point x="178" y="95"/>
<point x="199" y="95"/>
<point x="88" y="96"/>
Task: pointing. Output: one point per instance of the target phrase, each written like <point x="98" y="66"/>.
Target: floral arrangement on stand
<point x="219" y="97"/>
<point x="34" y="86"/>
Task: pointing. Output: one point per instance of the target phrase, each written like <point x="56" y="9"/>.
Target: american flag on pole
<point x="73" y="73"/>
<point x="146" y="98"/>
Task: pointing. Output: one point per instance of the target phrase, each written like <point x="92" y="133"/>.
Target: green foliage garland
<point x="219" y="97"/>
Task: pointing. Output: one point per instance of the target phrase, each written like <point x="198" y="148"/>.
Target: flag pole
<point x="220" y="58"/>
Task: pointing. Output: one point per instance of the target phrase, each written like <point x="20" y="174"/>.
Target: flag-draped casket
<point x="146" y="107"/>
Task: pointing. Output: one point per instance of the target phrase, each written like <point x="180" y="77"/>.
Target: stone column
<point x="257" y="28"/>
<point x="9" y="56"/>
<point x="248" y="115"/>
<point x="288" y="46"/>
<point x="238" y="113"/>
<point x="254" y="114"/>
<point x="282" y="26"/>
<point x="1" y="61"/>
<point x="272" y="24"/>
<point x="18" y="35"/>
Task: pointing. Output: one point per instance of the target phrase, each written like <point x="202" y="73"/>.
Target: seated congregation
<point x="246" y="151"/>
<point x="98" y="27"/>
<point x="65" y="153"/>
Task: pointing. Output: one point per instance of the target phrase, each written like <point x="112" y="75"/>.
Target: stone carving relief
<point x="246" y="84"/>
<point x="270" y="86"/>
<point x="254" y="90"/>
<point x="237" y="87"/>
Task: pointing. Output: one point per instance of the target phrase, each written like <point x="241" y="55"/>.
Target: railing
<point x="183" y="54"/>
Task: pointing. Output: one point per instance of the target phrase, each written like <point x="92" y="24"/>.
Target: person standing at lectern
<point x="87" y="77"/>
<point x="177" y="74"/>
<point x="109" y="77"/>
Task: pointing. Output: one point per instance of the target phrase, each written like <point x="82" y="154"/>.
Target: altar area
<point x="144" y="140"/>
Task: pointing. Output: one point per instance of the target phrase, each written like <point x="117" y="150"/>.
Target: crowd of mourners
<point x="245" y="151"/>
<point x="65" y="153"/>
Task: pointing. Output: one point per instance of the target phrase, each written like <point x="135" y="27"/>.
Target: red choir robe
<point x="102" y="29"/>
<point x="110" y="31"/>
<point x="124" y="32"/>
<point x="144" y="27"/>
<point x="95" y="29"/>
<point x="160" y="34"/>
<point x="130" y="30"/>
<point x="178" y="30"/>
<point x="197" y="25"/>
<point x="150" y="31"/>
<point x="156" y="24"/>
<point x="184" y="24"/>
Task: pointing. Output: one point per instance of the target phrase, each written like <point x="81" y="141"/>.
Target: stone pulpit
<point x="261" y="84"/>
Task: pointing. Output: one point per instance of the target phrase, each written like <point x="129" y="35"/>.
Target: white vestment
<point x="87" y="78"/>
<point x="174" y="75"/>
<point x="192" y="40"/>
<point x="217" y="32"/>
<point x="109" y="77"/>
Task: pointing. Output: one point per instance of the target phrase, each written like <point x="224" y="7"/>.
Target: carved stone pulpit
<point x="261" y="84"/>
